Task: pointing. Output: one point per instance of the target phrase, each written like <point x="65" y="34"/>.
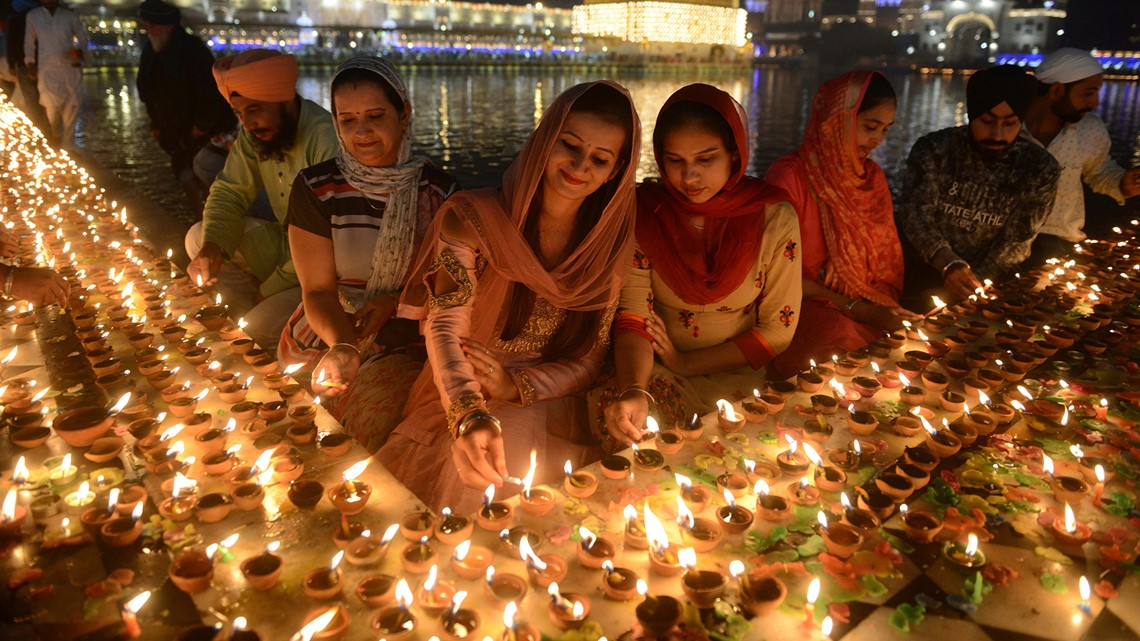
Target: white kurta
<point x="50" y="39"/>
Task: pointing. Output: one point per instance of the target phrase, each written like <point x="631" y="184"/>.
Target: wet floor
<point x="472" y="122"/>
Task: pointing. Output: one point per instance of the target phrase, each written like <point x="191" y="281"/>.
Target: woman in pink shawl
<point x="518" y="290"/>
<point x="852" y="259"/>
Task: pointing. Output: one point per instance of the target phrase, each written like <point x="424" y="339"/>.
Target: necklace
<point x="695" y="226"/>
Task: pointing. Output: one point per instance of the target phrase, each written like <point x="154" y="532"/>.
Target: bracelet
<point x="854" y="301"/>
<point x="949" y="265"/>
<point x="478" y="415"/>
<point x="350" y="345"/>
<point x="640" y="389"/>
<point x="8" y="281"/>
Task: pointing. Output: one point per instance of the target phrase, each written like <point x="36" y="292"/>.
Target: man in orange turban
<point x="281" y="134"/>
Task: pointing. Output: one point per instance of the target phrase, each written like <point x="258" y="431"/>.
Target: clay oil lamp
<point x="287" y="469"/>
<point x="701" y="587"/>
<point x="894" y="485"/>
<point x="248" y="496"/>
<point x="920" y="526"/>
<point x="1068" y="531"/>
<point x="965" y="433"/>
<point x="303" y="416"/>
<point x="860" y="422"/>
<point x="376" y="590"/>
<point x="470" y="561"/>
<point x="845" y="366"/>
<point x="733" y="518"/>
<point x="866" y="521"/>
<point x="541" y="570"/>
<point x="735" y="484"/>
<point x="634" y="529"/>
<point x="668" y="441"/>
<point x="824" y="404"/>
<point x="791" y="461"/>
<point x="875" y="501"/>
<point x="324" y="583"/>
<point x="581" y="484"/>
<point x="783" y="389"/>
<point x="536" y="501"/>
<point x="647" y="460"/>
<point x="615" y="467"/>
<point x="352" y="495"/>
<point x="305" y="493"/>
<point x="263" y="570"/>
<point x="755" y="410"/>
<point x="727" y="418"/>
<point x="62" y="475"/>
<point x="366" y="550"/>
<point x="810" y="381"/>
<point x="911" y="394"/>
<point x="760" y="594"/>
<point x="213" y="507"/>
<point x="842" y="540"/>
<point x="942" y="443"/>
<point x="12" y="515"/>
<point x="567" y="611"/>
<point x="803" y="493"/>
<point x="756" y="470"/>
<point x="494" y="516"/>
<point x="273" y="411"/>
<point x="866" y="386"/>
<point x="502" y="587"/>
<point x="452" y="529"/>
<point x="662" y="560"/>
<point x="78" y="501"/>
<point x="397" y="622"/>
<point x="233" y="392"/>
<point x="213" y="440"/>
<point x="185" y="406"/>
<point x="965" y="556"/>
<point x="593" y="550"/>
<point x="657" y="616"/>
<point x="845" y="460"/>
<point x="915" y="474"/>
<point x="192" y="571"/>
<point x="459" y="623"/>
<point x="830" y="479"/>
<point x="981" y="421"/>
<point x="417" y="525"/>
<point x="952" y="401"/>
<point x="93" y="518"/>
<point x="291" y="392"/>
<point x="909" y="369"/>
<point x="434" y="595"/>
<point x="696" y="497"/>
<point x="921" y="457"/>
<point x="417" y="558"/>
<point x="1069" y="490"/>
<point x="773" y="509"/>
<point x="702" y="534"/>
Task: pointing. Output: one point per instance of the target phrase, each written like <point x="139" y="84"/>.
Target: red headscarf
<point x="703" y="273"/>
<point x="864" y="256"/>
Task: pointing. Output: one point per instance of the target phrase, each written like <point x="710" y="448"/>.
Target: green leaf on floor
<point x="1054" y="583"/>
<point x="811" y="547"/>
<point x="805" y="520"/>
<point x="767" y="438"/>
<point x="758" y="543"/>
<point x="906" y="616"/>
<point x="1118" y="504"/>
<point x="975" y="587"/>
<point x="1052" y="554"/>
<point x="783" y="556"/>
<point x="698" y="475"/>
<point x="872" y="585"/>
<point x="899" y="544"/>
<point x="1055" y="447"/>
<point x="1030" y="481"/>
<point x="941" y="496"/>
<point x="1096" y="425"/>
<point x="1127" y="471"/>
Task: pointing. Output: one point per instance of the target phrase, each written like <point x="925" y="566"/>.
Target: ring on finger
<point x="490" y="370"/>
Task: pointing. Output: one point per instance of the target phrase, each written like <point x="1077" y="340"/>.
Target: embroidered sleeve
<point x="606" y="330"/>
<point x="527" y="395"/>
<point x="450" y="265"/>
<point x="460" y="407"/>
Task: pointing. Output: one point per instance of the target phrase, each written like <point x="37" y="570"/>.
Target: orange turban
<point x="258" y="74"/>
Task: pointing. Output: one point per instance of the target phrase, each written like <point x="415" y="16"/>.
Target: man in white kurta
<point x="1061" y="120"/>
<point x="54" y="43"/>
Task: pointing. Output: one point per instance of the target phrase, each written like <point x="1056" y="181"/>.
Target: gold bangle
<point x="640" y="389"/>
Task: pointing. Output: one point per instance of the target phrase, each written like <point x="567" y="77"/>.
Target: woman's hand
<point x="479" y="457"/>
<point x="663" y="346"/>
<point x="39" y="286"/>
<point x="489" y="372"/>
<point x="336" y="369"/>
<point x="372" y="317"/>
<point x="9" y="244"/>
<point x="625" y="418"/>
<point x="961" y="281"/>
<point x="883" y="317"/>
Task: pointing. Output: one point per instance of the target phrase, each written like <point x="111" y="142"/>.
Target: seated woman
<point x="852" y="259"/>
<point x="715" y="289"/>
<point x="518" y="289"/>
<point x="355" y="224"/>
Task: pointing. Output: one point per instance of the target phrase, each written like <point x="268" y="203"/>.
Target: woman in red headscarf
<point x="715" y="290"/>
<point x="517" y="290"/>
<point x="852" y="259"/>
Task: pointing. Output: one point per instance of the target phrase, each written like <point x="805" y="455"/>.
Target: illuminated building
<point x="709" y="22"/>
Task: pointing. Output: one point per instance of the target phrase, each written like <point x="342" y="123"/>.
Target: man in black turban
<point x="975" y="196"/>
<point x="176" y="83"/>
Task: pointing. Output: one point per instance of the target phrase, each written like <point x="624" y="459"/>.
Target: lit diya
<point x="733" y="518"/>
<point x="702" y="587"/>
<point x="580" y="484"/>
<point x="568" y="611"/>
<point x="535" y="501"/>
<point x="593" y="551"/>
<point x="1070" y="532"/>
<point x="662" y="560"/>
<point x="542" y="570"/>
<point x="966" y="556"/>
<point x="434" y="595"/>
<point x="470" y="561"/>
<point x="494" y="516"/>
<point x="367" y="550"/>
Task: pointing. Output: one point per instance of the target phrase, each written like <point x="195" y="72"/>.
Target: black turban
<point x="159" y="12"/>
<point x="989" y="88"/>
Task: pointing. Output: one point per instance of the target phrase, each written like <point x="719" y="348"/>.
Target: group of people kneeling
<point x="459" y="330"/>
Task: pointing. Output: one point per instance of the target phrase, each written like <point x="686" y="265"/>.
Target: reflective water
<point x="473" y="121"/>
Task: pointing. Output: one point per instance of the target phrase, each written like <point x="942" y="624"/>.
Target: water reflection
<point x="472" y="122"/>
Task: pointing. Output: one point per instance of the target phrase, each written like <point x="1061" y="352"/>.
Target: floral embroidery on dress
<point x="786" y="315"/>
<point x="640" y="260"/>
<point x="724" y="308"/>
<point x="760" y="280"/>
<point x="686" y="318"/>
<point x="790" y="250"/>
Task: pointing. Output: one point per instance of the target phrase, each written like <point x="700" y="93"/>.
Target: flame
<point x="684" y="514"/>
<point x="136" y="604"/>
<point x="1086" y="590"/>
<point x="857" y="446"/>
<point x="112" y="497"/>
<point x="351" y="473"/>
<point x="182" y="485"/>
<point x="642" y="587"/>
<point x="1047" y="464"/>
<point x="510" y="615"/>
<point x="983" y="398"/>
<point x="840" y="391"/>
<point x="10" y="357"/>
<point x="821" y="519"/>
<point x="654" y="530"/>
<point x="761" y="488"/>
<point x="1017" y="405"/>
<point x="725" y="409"/>
<point x="1024" y="392"/>
<point x="528" y="480"/>
<point x="432" y="577"/>
<point x="273" y="547"/>
<point x="389" y="534"/>
<point x="922" y="335"/>
<point x="8" y="509"/>
<point x="905" y="379"/>
<point x="292" y="368"/>
<point x="684" y="482"/>
<point x="1077" y="451"/>
<point x="567" y="468"/>
<point x="749" y="466"/>
<point x="211" y="550"/>
<point x="20" y="473"/>
<point x="529" y="557"/>
<point x="812" y="455"/>
<point x="65" y="464"/>
<point x="813" y="591"/>
<point x="1070" y="520"/>
<point x="171" y="432"/>
<point x="490" y="573"/>
<point x="736" y="568"/>
<point x="652" y="426"/>
<point x="262" y="462"/>
<point x="687" y="558"/>
<point x="230" y="541"/>
<point x="578" y="610"/>
<point x="489" y="494"/>
<point x="323" y="621"/>
<point x="729" y="498"/>
<point x="588" y="537"/>
<point x="937" y="302"/>
<point x="927" y="426"/>
<point x="1099" y="471"/>
<point x="971" y="545"/>
<point x="825" y="627"/>
<point x="629" y="512"/>
<point x="844" y="501"/>
<point x="83" y="492"/>
<point x="461" y="550"/>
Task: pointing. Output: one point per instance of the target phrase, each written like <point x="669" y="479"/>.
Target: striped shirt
<point x="323" y="203"/>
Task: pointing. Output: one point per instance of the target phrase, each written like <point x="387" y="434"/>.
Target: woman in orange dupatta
<point x="852" y="259"/>
<point x="518" y="290"/>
